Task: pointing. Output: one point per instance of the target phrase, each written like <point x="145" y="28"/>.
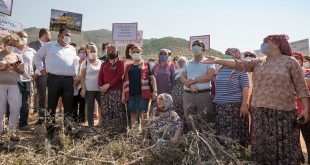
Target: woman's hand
<point x="305" y="114"/>
<point x="104" y="88"/>
<point x="83" y="92"/>
<point x="173" y="140"/>
<point x="244" y="110"/>
<point x="211" y="60"/>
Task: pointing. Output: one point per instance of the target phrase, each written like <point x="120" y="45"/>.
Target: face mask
<point x="92" y="56"/>
<point x="163" y="58"/>
<point x="9" y="49"/>
<point x="196" y="50"/>
<point x="247" y="59"/>
<point x="228" y="57"/>
<point x="67" y="39"/>
<point x="265" y="48"/>
<point x="82" y="55"/>
<point x="136" y="56"/>
<point x="23" y="41"/>
<point x="306" y="65"/>
<point x="112" y="56"/>
<point x="152" y="64"/>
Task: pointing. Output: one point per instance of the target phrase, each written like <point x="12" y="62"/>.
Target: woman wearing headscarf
<point x="231" y="101"/>
<point x="89" y="81"/>
<point x="276" y="79"/>
<point x="111" y="86"/>
<point x="164" y="123"/>
<point x="178" y="88"/>
<point x="305" y="128"/>
<point x="164" y="72"/>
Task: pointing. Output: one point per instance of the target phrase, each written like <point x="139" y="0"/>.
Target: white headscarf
<point x="180" y="71"/>
<point x="168" y="101"/>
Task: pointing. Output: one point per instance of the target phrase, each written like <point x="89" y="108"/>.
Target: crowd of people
<point x="262" y="102"/>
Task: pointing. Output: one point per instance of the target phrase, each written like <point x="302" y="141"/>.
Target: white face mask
<point x="136" y="56"/>
<point x="197" y="50"/>
<point x="67" y="39"/>
<point x="9" y="49"/>
<point x="92" y="56"/>
<point x="152" y="64"/>
<point x="247" y="59"/>
<point x="306" y="65"/>
<point x="23" y="41"/>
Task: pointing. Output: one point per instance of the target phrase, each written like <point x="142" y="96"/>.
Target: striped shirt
<point x="229" y="85"/>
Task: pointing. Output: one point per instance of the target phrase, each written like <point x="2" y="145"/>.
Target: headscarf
<point x="233" y="52"/>
<point x="168" y="101"/>
<point x="180" y="71"/>
<point x="249" y="54"/>
<point x="282" y="41"/>
<point x="299" y="56"/>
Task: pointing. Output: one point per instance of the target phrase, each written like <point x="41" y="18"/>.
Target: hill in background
<point x="151" y="47"/>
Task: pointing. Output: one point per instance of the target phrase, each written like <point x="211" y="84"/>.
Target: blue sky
<point x="231" y="23"/>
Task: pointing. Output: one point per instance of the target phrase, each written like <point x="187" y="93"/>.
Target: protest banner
<point x="301" y="46"/>
<point x="8" y="27"/>
<point x="124" y="32"/>
<point x="64" y="19"/>
<point x="6" y="7"/>
<point x="139" y="40"/>
<point x="204" y="38"/>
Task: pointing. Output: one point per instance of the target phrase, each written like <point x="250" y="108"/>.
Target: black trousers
<point x="79" y="112"/>
<point x="305" y="130"/>
<point x="41" y="83"/>
<point x="59" y="86"/>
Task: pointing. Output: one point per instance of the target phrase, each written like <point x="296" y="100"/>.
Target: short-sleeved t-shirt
<point x="194" y="70"/>
<point x="91" y="77"/>
<point x="134" y="75"/>
<point x="229" y="85"/>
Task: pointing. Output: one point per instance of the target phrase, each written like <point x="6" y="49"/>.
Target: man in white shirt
<point x="27" y="54"/>
<point x="40" y="80"/>
<point x="62" y="66"/>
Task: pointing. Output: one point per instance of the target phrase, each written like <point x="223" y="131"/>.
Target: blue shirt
<point x="194" y="70"/>
<point x="229" y="85"/>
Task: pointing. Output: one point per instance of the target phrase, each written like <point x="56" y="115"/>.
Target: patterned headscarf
<point x="249" y="54"/>
<point x="299" y="56"/>
<point x="168" y="101"/>
<point x="233" y="52"/>
<point x="282" y="41"/>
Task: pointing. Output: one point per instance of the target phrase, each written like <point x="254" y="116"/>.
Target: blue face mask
<point x="196" y="50"/>
<point x="163" y="58"/>
<point x="228" y="57"/>
<point x="265" y="48"/>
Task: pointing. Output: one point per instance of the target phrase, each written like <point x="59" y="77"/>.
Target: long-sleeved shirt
<point x="275" y="82"/>
<point x="59" y="60"/>
<point x="111" y="74"/>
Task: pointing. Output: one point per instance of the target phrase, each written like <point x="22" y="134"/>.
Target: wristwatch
<point x="194" y="79"/>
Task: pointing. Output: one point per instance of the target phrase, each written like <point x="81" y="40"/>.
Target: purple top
<point x="164" y="75"/>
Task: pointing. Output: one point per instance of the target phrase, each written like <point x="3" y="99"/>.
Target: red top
<point x="112" y="75"/>
<point x="300" y="106"/>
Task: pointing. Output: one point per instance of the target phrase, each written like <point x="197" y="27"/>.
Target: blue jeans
<point x="24" y="111"/>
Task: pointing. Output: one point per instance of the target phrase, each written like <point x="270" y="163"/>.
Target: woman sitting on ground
<point x="164" y="123"/>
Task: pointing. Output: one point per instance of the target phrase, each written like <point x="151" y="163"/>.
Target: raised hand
<point x="211" y="60"/>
